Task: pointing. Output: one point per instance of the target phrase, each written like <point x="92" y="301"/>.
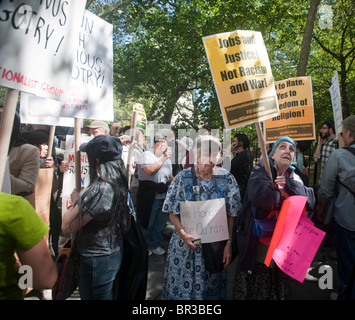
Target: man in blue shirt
<point x="338" y="184"/>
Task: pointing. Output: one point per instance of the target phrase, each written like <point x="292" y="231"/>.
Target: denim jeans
<point x="345" y="246"/>
<point x="156" y="225"/>
<point x="97" y="276"/>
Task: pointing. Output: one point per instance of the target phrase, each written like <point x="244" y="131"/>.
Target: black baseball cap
<point x="103" y="147"/>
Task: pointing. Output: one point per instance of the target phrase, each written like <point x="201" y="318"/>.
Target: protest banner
<point x="69" y="177"/>
<point x="295" y="240"/>
<point x="336" y="104"/>
<point x="91" y="86"/>
<point x="205" y="220"/>
<point x="296" y="118"/>
<point x="37" y="45"/>
<point x="242" y="77"/>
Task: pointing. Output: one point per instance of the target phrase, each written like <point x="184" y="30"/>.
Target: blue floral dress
<point x="185" y="275"/>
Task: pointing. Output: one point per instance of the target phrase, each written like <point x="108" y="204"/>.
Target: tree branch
<point x="326" y="49"/>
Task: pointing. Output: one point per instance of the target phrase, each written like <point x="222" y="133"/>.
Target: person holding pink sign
<point x="263" y="200"/>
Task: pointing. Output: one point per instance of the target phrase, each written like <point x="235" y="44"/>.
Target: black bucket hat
<point x="103" y="147"/>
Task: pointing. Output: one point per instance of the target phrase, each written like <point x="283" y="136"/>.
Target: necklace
<point x="213" y="189"/>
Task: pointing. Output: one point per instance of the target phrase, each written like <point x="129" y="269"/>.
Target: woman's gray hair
<point x="206" y="144"/>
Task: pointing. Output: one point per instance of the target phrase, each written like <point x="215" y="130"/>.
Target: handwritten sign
<point x="37" y="45"/>
<point x="296" y="118"/>
<point x="295" y="256"/>
<point x="91" y="84"/>
<point x="295" y="240"/>
<point x="69" y="176"/>
<point x="205" y="220"/>
<point x="242" y="76"/>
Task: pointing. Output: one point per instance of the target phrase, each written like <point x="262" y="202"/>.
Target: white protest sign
<point x="37" y="45"/>
<point x="205" y="220"/>
<point x="336" y="103"/>
<point x="69" y="176"/>
<point x="41" y="118"/>
<point x="91" y="86"/>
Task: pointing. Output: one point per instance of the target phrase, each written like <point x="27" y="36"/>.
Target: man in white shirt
<point x="154" y="174"/>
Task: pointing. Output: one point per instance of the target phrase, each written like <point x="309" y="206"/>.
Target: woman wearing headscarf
<point x="253" y="280"/>
<point x="100" y="217"/>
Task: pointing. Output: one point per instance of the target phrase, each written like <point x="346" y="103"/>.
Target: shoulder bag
<point x="212" y="252"/>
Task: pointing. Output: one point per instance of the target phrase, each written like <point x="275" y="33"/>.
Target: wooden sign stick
<point x="50" y="141"/>
<point x="263" y="150"/>
<point x="77" y="155"/>
<point x="131" y="146"/>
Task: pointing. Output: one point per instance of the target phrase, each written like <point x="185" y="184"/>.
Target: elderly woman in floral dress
<point x="186" y="276"/>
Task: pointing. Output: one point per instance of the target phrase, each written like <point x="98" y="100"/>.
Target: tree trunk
<point x="307" y="37"/>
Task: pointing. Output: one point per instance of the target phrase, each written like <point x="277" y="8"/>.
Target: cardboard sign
<point x="296" y="118"/>
<point x="69" y="176"/>
<point x="205" y="220"/>
<point x="37" y="45"/>
<point x="242" y="76"/>
<point x="91" y="86"/>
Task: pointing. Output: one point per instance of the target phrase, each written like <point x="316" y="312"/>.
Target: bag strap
<point x="195" y="187"/>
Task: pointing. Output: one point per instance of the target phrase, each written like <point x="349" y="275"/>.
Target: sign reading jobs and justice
<point x="242" y="76"/>
<point x="296" y="118"/>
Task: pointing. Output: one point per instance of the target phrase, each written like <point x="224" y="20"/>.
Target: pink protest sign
<point x="289" y="215"/>
<point x="295" y="255"/>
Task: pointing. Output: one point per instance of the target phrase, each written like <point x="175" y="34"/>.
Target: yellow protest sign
<point x="296" y="118"/>
<point x="141" y="115"/>
<point x="242" y="76"/>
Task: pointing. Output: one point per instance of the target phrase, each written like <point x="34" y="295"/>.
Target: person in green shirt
<point x="22" y="231"/>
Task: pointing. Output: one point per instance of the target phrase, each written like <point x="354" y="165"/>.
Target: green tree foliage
<point x="159" y="54"/>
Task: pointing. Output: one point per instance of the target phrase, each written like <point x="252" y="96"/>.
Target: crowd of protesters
<point x="163" y="174"/>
